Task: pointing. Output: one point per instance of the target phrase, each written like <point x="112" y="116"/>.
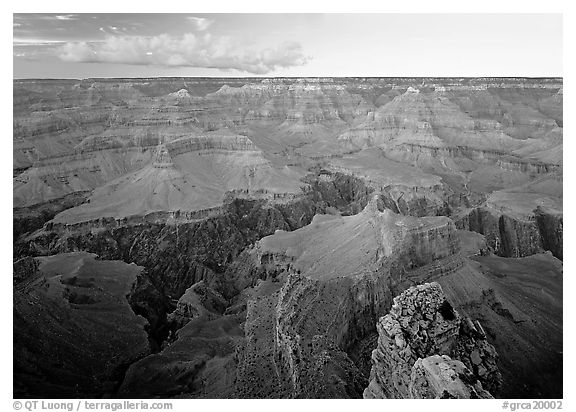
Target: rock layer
<point x="275" y="221"/>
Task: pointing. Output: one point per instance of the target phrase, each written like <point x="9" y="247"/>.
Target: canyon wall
<point x="277" y="237"/>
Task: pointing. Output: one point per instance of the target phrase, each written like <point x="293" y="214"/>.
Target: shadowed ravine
<point x="207" y="252"/>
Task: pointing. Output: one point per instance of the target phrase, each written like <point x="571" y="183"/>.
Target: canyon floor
<point x="288" y="238"/>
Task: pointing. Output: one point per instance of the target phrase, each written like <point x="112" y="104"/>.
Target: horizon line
<point x="285" y="77"/>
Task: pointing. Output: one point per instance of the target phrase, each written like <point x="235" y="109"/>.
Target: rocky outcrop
<point x="296" y="338"/>
<point x="483" y="156"/>
<point x="28" y="219"/>
<point x="25" y="270"/>
<point x="198" y="300"/>
<point x="416" y="201"/>
<point x="162" y="158"/>
<point x="325" y="307"/>
<point x="210" y="142"/>
<point x="258" y="280"/>
<point x="550" y="227"/>
<point x="422" y="323"/>
<point x="439" y="377"/>
<point x="515" y="236"/>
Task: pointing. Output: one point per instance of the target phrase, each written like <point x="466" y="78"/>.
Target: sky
<point x="238" y="45"/>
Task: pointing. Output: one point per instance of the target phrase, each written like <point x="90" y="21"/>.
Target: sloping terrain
<point x="252" y="236"/>
<point x="74" y="331"/>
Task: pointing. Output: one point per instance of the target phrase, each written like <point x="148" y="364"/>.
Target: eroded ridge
<point x="423" y="339"/>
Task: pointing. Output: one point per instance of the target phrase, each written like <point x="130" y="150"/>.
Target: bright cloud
<point x="65" y="17"/>
<point x="200" y="23"/>
<point x="189" y="50"/>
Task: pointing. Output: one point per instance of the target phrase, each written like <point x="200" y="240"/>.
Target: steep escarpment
<point x="513" y="235"/>
<point x="29" y="219"/>
<point x="331" y="304"/>
<point x="403" y="188"/>
<point x="501" y="159"/>
<point x="178" y="255"/>
<point x="550" y="227"/>
<point x="273" y="222"/>
<point x="175" y="255"/>
<point x="302" y="319"/>
<point x="59" y="176"/>
<point x="70" y="314"/>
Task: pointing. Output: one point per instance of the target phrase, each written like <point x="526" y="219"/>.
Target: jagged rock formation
<point x="327" y="304"/>
<point x="422" y="325"/>
<point x="439" y="377"/>
<point x="303" y="319"/>
<point x="273" y="222"/>
<point x="162" y="158"/>
<point x="198" y="300"/>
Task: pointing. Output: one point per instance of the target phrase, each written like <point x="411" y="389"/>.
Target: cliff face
<point x="303" y="320"/>
<point x="74" y="330"/>
<point x="308" y="328"/>
<point x="550" y="227"/>
<point x="178" y="255"/>
<point x="422" y="325"/>
<point x="274" y="221"/>
<point x="514" y="236"/>
<point x="445" y="125"/>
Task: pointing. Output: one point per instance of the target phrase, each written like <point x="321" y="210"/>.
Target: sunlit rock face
<point x="289" y="238"/>
<point x="439" y="377"/>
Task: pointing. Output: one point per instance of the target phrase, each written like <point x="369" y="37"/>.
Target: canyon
<point x="288" y="238"/>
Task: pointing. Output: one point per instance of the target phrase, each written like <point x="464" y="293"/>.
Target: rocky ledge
<point x="427" y="350"/>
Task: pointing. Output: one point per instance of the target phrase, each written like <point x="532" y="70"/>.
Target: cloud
<point x="112" y="30"/>
<point x="35" y="42"/>
<point x="65" y="17"/>
<point x="188" y="50"/>
<point x="200" y="23"/>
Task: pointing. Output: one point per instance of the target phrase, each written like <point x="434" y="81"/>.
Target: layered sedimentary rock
<point x="517" y="225"/>
<point x="422" y="325"/>
<point x="276" y="220"/>
<point x="550" y="227"/>
<point x="326" y="305"/>
<point x="304" y="318"/>
<point x="189" y="175"/>
<point x="450" y="122"/>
